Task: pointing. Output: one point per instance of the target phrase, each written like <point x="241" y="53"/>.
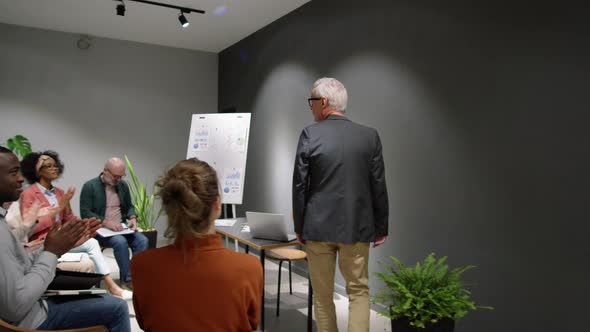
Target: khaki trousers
<point x="353" y="260"/>
<point x="84" y="265"/>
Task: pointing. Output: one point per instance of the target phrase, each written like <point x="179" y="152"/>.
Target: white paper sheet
<point x="70" y="257"/>
<point x="105" y="232"/>
<point x="225" y="222"/>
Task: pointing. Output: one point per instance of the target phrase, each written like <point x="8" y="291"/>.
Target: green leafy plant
<point x="20" y="145"/>
<point x="144" y="203"/>
<point x="424" y="293"/>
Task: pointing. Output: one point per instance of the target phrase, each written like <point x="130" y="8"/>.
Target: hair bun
<point x="174" y="189"/>
<point x="188" y="191"/>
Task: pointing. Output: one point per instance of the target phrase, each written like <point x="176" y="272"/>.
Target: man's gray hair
<point x="333" y="91"/>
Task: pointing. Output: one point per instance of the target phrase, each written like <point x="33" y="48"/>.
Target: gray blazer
<point x="339" y="190"/>
<point x="24" y="277"/>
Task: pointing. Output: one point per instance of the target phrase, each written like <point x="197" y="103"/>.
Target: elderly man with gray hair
<point x="340" y="203"/>
<point x="107" y="198"/>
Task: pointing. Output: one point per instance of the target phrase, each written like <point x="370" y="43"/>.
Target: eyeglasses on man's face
<point x="310" y="100"/>
<point x="116" y="176"/>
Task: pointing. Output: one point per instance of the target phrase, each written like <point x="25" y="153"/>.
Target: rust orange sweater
<point x="196" y="285"/>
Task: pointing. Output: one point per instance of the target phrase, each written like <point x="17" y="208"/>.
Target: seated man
<point x="24" y="277"/>
<point x="107" y="198"/>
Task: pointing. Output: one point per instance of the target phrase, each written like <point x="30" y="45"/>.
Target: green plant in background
<point x="20" y="145"/>
<point x="424" y="293"/>
<point x="144" y="203"/>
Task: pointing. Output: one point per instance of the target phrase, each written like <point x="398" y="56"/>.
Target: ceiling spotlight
<point x="121" y="9"/>
<point x="183" y="20"/>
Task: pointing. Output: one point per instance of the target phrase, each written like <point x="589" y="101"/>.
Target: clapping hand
<point x="35" y="211"/>
<point x="31" y="214"/>
<point x="34" y="245"/>
<point x="63" y="237"/>
<point x="93" y="225"/>
<point x="64" y="202"/>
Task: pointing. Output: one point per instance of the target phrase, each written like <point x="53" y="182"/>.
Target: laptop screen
<point x="269" y="226"/>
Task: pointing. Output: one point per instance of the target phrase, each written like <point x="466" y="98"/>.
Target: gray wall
<point x="482" y="110"/>
<point x="115" y="98"/>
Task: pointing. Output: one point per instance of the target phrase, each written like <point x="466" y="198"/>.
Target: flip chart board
<point x="221" y="139"/>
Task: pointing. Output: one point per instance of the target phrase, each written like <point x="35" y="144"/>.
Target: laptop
<point x="268" y="226"/>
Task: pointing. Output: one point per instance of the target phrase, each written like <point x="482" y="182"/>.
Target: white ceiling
<point x="224" y="23"/>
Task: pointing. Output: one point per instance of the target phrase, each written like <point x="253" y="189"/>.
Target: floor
<point x="293" y="310"/>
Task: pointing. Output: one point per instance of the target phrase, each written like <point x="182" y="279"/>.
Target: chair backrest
<point x="5" y="327"/>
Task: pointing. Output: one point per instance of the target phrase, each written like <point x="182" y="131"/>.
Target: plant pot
<point x="152" y="236"/>
<point x="403" y="325"/>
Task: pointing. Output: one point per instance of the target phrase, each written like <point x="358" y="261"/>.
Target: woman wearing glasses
<point x="40" y="169"/>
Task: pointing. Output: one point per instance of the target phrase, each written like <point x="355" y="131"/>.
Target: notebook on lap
<point x="268" y="226"/>
<point x="70" y="280"/>
<point x="91" y="291"/>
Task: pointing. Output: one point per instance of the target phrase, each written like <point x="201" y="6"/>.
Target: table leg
<point x="309" y="306"/>
<point x="262" y="258"/>
<point x="247" y="249"/>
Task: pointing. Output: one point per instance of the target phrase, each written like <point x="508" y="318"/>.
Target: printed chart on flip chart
<point x="221" y="139"/>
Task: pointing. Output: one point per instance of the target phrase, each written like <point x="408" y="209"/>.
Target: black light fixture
<point x="121" y="8"/>
<point x="183" y="21"/>
<point x="183" y="10"/>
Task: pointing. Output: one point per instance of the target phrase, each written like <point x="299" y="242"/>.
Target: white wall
<point x="113" y="99"/>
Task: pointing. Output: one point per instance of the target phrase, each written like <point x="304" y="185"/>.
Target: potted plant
<point x="20" y="145"/>
<point x="144" y="207"/>
<point x="427" y="297"/>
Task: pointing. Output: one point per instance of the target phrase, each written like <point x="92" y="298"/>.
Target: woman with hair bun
<point x="195" y="284"/>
